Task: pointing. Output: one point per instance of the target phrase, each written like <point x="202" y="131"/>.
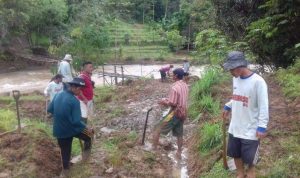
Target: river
<point x="36" y="80"/>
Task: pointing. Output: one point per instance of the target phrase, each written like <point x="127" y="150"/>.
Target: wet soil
<point x="29" y="154"/>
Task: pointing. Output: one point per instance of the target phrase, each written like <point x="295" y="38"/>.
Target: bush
<point x="175" y="41"/>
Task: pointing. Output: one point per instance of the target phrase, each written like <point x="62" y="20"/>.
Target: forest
<point x="95" y="29"/>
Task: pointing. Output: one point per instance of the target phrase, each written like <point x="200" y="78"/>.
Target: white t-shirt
<point x="52" y="89"/>
<point x="249" y="105"/>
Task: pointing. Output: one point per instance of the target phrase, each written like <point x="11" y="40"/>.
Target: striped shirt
<point x="178" y="97"/>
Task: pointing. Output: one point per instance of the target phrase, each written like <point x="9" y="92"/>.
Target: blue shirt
<point x="65" y="108"/>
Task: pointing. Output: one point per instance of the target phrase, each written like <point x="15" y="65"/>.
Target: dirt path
<point x="117" y="150"/>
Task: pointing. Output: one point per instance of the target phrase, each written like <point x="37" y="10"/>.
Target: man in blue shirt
<point x="67" y="123"/>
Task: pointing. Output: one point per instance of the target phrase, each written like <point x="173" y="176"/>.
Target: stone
<point x="109" y="170"/>
<point x="107" y="131"/>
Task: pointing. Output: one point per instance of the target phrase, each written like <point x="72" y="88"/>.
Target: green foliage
<point x="42" y="17"/>
<point x="270" y="27"/>
<point x="208" y="104"/>
<point x="174" y="40"/>
<point x="217" y="171"/>
<point x="212" y="45"/>
<point x="210" y="137"/>
<point x="37" y="124"/>
<point x="200" y="95"/>
<point x="76" y="148"/>
<point x="8" y="120"/>
<point x="289" y="79"/>
<point x="103" y="94"/>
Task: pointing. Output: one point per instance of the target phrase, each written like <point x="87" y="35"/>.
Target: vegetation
<point x="200" y="95"/>
<point x="270" y="28"/>
<point x="210" y="135"/>
<point x="8" y="120"/>
<point x="290" y="80"/>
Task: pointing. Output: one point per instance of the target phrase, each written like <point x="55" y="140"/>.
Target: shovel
<point x="145" y="127"/>
<point x="227" y="164"/>
<point x="16" y="95"/>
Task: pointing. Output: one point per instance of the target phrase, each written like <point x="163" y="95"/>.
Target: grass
<point x="289" y="79"/>
<point x="210" y="137"/>
<point x="200" y="95"/>
<point x="8" y="120"/>
<point x="114" y="153"/>
<point x="103" y="94"/>
<point x="217" y="171"/>
<point x="80" y="170"/>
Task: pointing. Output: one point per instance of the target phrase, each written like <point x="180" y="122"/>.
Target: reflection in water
<point x="31" y="80"/>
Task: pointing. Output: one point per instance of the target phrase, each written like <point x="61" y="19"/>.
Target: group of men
<point x="71" y="105"/>
<point x="248" y="107"/>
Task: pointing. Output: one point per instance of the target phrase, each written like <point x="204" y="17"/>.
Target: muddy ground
<point x="119" y="120"/>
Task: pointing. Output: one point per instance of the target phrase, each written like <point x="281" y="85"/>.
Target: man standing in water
<point x="164" y="71"/>
<point x="250" y="114"/>
<point x="177" y="101"/>
<point x="67" y="123"/>
<point x="87" y="92"/>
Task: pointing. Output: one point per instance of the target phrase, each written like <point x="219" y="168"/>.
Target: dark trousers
<point x="65" y="145"/>
<point x="163" y="75"/>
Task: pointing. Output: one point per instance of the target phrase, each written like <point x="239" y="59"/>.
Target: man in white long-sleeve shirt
<point x="65" y="68"/>
<point x="250" y="114"/>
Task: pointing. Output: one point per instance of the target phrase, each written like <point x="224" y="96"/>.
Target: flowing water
<point x="36" y="80"/>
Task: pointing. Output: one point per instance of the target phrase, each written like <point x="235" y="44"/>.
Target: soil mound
<point x="29" y="154"/>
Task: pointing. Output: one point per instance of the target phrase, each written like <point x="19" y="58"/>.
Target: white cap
<point x="68" y="57"/>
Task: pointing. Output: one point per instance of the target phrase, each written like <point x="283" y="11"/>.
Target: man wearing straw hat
<point x="65" y="68"/>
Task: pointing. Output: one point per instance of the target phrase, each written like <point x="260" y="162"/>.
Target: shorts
<point x="171" y="123"/>
<point x="245" y="149"/>
<point x="163" y="74"/>
<point x="86" y="109"/>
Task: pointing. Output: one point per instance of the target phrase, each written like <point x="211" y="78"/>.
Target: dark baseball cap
<point x="179" y="72"/>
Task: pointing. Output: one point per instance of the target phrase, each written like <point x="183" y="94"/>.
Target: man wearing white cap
<point x="65" y="68"/>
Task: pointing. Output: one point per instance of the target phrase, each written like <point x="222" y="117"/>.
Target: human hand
<point x="225" y="114"/>
<point x="260" y="135"/>
<point x="162" y="101"/>
<point x="85" y="101"/>
<point x="90" y="131"/>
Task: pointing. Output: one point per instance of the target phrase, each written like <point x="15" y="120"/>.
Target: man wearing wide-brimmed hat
<point x="249" y="109"/>
<point x="65" y="68"/>
<point x="67" y="123"/>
